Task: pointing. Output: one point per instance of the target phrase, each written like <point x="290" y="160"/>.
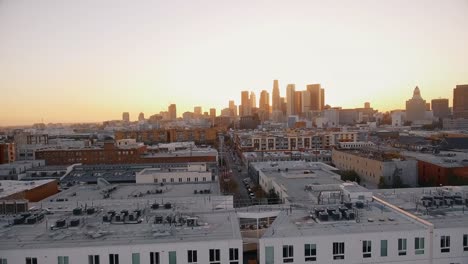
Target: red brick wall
<point x="433" y="175"/>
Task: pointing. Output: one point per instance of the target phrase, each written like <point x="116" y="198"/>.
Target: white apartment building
<point x="190" y="173"/>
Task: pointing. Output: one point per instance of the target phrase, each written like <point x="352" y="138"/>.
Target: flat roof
<point x="447" y="159"/>
<point x="156" y="191"/>
<point x="12" y="187"/>
<point x="374" y="217"/>
<point x="444" y="216"/>
<point x="300" y="174"/>
<point x="93" y="231"/>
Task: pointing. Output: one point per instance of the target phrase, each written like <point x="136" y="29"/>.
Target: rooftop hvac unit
<point x="349" y="215"/>
<point x="426" y="197"/>
<point x="438" y="202"/>
<point x="359" y="204"/>
<point x="458" y="201"/>
<point x="111" y="212"/>
<point x="448" y="202"/>
<point x="132" y="217"/>
<point x="60" y="223"/>
<point x="77" y="211"/>
<point x="124" y="212"/>
<point x="349" y="205"/>
<point x="74" y="222"/>
<point x="323" y="216"/>
<point x="192" y="221"/>
<point x="330" y="211"/>
<point x="318" y="211"/>
<point x="336" y="215"/>
<point x="119" y="218"/>
<point x="427" y="203"/>
<point x="90" y="210"/>
<point x="342" y="209"/>
<point x="168" y="206"/>
<point x="158" y="219"/>
<point x="40" y="217"/>
<point x="107" y="218"/>
<point x="155" y="206"/>
<point x="137" y="212"/>
<point x="18" y="220"/>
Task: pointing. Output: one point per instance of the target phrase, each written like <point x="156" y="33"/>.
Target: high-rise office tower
<point x="460" y="101"/>
<point x="125" y="117"/>
<point x="322" y="99"/>
<point x="298" y="102"/>
<point x="290" y="99"/>
<point x="246" y="105"/>
<point x="416" y="107"/>
<point x="264" y="106"/>
<point x="275" y="96"/>
<point x="197" y="111"/>
<point x="141" y="117"/>
<point x="283" y="105"/>
<point x="213" y="112"/>
<point x="315" y="96"/>
<point x="264" y="103"/>
<point x="253" y="100"/>
<point x="440" y="108"/>
<point x="305" y="98"/>
<point x="233" y="108"/>
<point x="172" y="112"/>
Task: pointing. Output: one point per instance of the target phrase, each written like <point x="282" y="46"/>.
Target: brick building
<point x="113" y="154"/>
<point x="155" y="136"/>
<point x="33" y="191"/>
<point x="7" y="153"/>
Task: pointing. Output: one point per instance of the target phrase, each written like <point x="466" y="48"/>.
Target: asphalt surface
<point x="241" y="197"/>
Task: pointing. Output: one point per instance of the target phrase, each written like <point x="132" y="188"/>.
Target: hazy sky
<point x="77" y="61"/>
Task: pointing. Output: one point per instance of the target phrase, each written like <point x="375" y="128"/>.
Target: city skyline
<point x="88" y="62"/>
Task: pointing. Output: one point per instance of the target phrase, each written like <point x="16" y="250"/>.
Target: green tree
<point x="382" y="184"/>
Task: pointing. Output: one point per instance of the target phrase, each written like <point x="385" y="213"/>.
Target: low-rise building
<point x="32" y="191"/>
<point x="18" y="170"/>
<point x="372" y="165"/>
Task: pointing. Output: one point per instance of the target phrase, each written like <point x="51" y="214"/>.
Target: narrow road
<point x="241" y="198"/>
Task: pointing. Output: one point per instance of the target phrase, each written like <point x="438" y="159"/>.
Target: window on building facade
<point x="3" y="261"/>
<point x="172" y="257"/>
<point x="269" y="255"/>
<point x="465" y="242"/>
<point x="383" y="248"/>
<point x="61" y="260"/>
<point x="135" y="258"/>
<point x="419" y="245"/>
<point x="113" y="258"/>
<point x="288" y="253"/>
<point x="366" y="249"/>
<point x="445" y="244"/>
<point x="310" y="252"/>
<point x="215" y="256"/>
<point x="192" y="256"/>
<point x="30" y="260"/>
<point x="154" y="258"/>
<point x="233" y="256"/>
<point x="93" y="259"/>
<point x="338" y="250"/>
<point x="402" y="247"/>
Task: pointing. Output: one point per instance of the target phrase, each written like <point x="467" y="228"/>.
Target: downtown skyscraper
<point x="275" y="100"/>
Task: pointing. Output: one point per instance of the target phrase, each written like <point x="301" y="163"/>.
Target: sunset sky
<point x="79" y="61"/>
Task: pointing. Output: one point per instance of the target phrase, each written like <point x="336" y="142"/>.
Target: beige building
<point x="371" y="165"/>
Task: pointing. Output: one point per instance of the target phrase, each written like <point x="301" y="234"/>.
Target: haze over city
<point x="80" y="61"/>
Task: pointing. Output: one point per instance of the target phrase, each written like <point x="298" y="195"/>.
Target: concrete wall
<point x="175" y="177"/>
<point x="79" y="254"/>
